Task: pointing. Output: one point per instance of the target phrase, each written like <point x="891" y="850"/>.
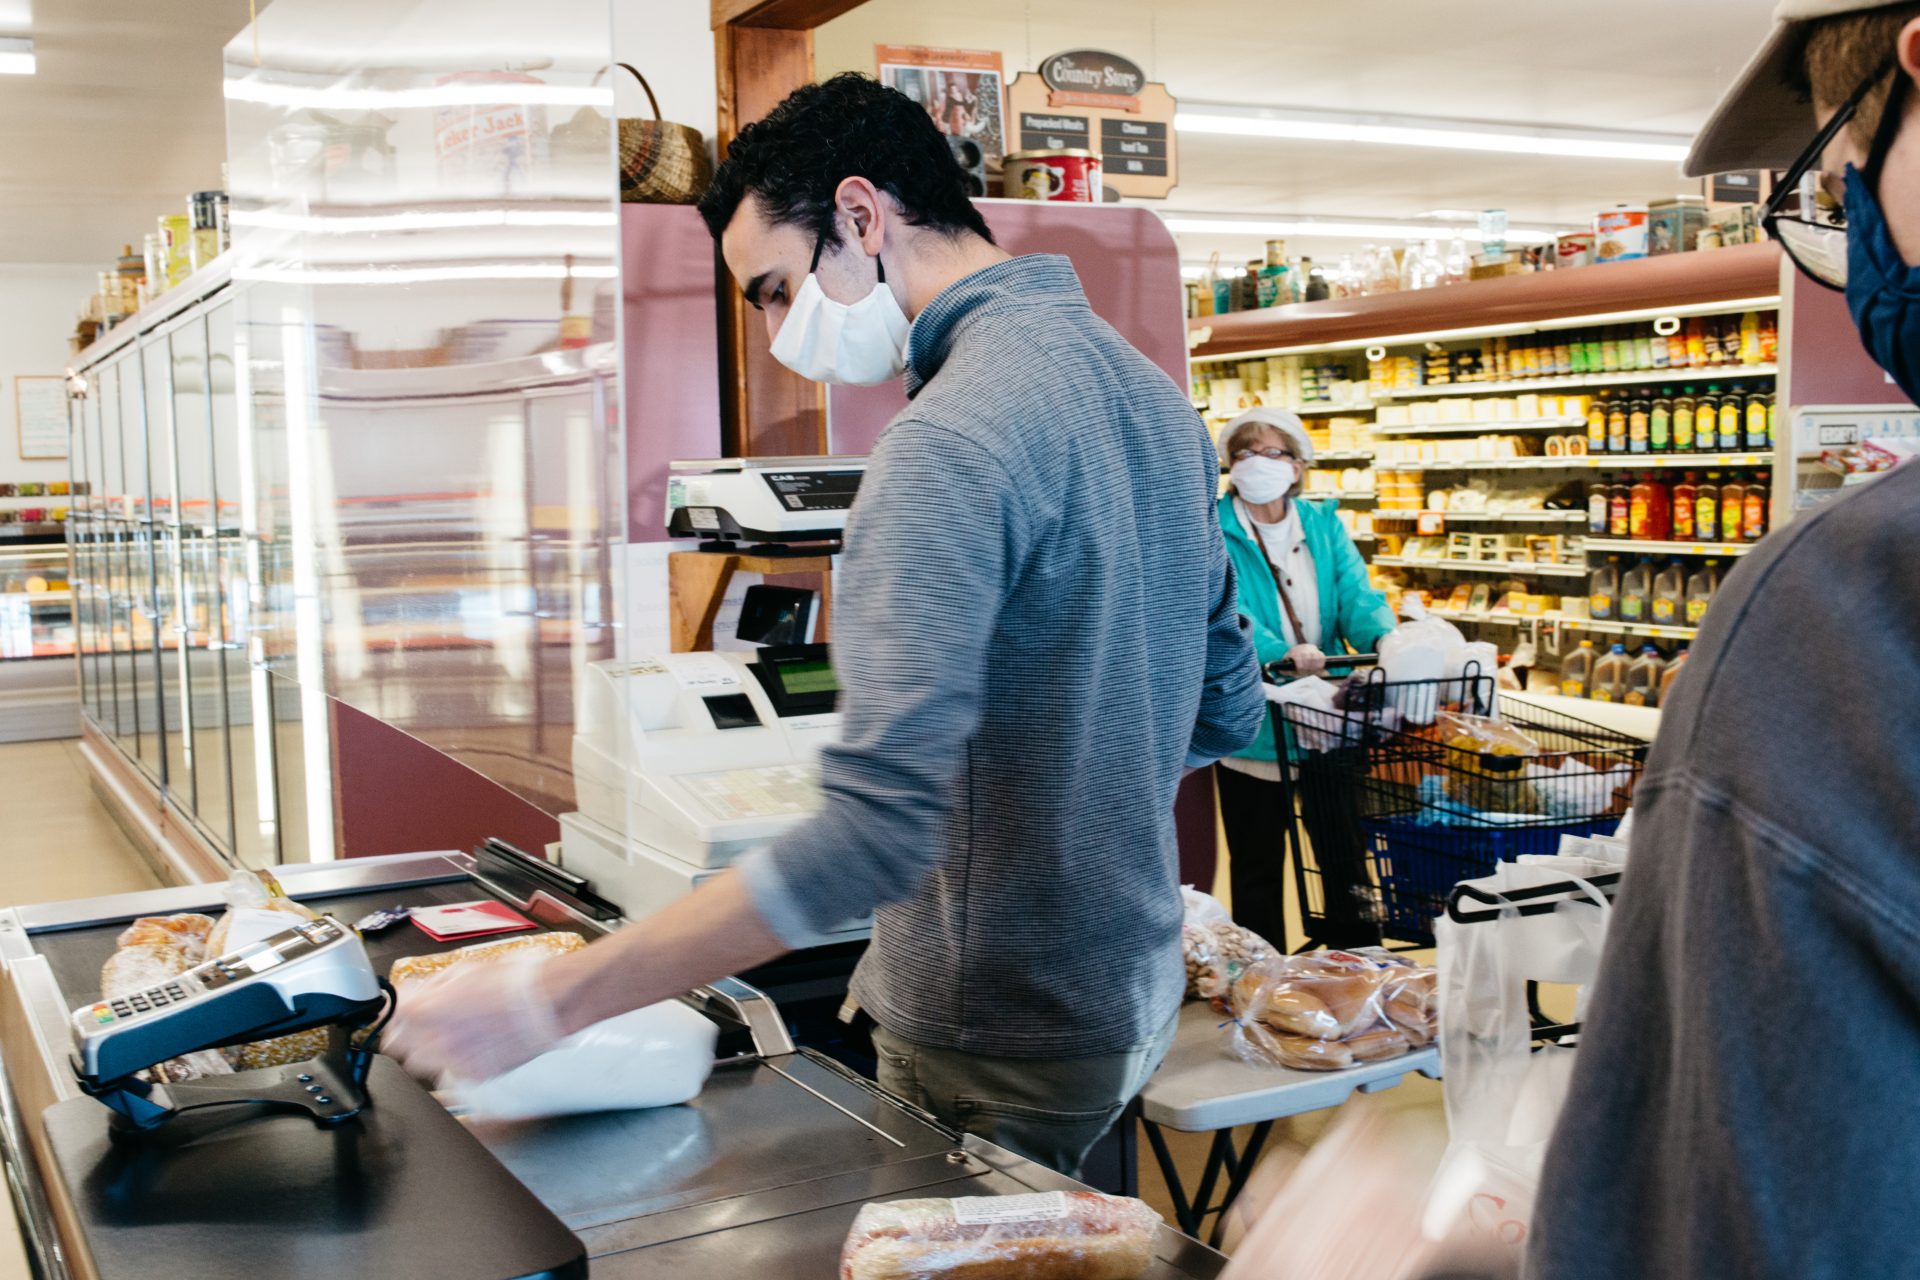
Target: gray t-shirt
<point x="1746" y="1101"/>
<point x="1036" y="632"/>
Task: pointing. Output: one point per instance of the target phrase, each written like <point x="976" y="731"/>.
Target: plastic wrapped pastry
<point x="1326" y="1010"/>
<point x="1057" y="1235"/>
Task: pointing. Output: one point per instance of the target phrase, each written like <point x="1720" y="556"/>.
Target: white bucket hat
<point x="1287" y="424"/>
<point x="1763" y="121"/>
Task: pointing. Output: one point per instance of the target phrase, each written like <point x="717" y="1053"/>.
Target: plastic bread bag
<point x="659" y="1056"/>
<point x="258" y="908"/>
<point x="1060" y="1235"/>
<point x="1217" y="954"/>
<point x="1329" y="1010"/>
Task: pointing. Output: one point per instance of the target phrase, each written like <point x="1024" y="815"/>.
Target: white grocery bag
<point x="1502" y="1098"/>
<point x="657" y="1056"/>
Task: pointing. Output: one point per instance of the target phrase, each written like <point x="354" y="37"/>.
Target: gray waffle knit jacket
<point x="1035" y="631"/>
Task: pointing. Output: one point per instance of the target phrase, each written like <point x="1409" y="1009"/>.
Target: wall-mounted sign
<point x="960" y="88"/>
<point x="1100" y="102"/>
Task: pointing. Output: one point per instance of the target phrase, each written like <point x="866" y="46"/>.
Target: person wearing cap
<point x="1304" y="590"/>
<point x="1743" y="1099"/>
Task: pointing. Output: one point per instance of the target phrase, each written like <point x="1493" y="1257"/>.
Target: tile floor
<point x="75" y="849"/>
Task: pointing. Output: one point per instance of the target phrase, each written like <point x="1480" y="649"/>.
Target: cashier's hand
<point x="474" y="1022"/>
<point x="1307" y="659"/>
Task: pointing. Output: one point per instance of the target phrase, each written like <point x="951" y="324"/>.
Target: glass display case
<point x="36" y="600"/>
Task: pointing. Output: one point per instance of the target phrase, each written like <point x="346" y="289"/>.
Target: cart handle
<point x="1517" y="897"/>
<point x="1282" y="668"/>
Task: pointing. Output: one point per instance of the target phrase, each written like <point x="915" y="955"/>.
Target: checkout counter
<point x="761" y="1175"/>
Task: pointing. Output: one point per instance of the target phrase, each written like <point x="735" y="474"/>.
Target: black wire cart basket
<point x="1406" y="789"/>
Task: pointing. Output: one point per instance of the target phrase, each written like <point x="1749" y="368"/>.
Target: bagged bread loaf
<point x="1058" y="1235"/>
<point x="412" y="968"/>
<point x="1327" y="1010"/>
<point x="152" y="950"/>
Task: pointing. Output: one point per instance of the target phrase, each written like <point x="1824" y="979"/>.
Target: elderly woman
<point x="1304" y="589"/>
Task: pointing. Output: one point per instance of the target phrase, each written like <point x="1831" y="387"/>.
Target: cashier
<point x="1304" y="590"/>
<point x="1036" y="634"/>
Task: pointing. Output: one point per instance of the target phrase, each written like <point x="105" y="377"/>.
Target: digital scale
<point x="772" y="501"/>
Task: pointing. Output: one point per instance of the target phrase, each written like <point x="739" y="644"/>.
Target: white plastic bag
<point x="1417" y="650"/>
<point x="658" y="1056"/>
<point x="1316" y="721"/>
<point x="1502" y="1099"/>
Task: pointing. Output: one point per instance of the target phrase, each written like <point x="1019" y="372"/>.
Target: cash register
<point x="771" y="506"/>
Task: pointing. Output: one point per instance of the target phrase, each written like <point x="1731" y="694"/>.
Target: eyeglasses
<point x="1814" y="235"/>
<point x="1273" y="452"/>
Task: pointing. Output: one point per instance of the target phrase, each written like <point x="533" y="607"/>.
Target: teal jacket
<point x="1353" y="615"/>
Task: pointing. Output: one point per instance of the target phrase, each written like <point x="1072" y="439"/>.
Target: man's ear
<point x="1906" y="46"/>
<point x="866" y="209"/>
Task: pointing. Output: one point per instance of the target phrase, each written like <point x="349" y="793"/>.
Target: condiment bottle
<point x="1617" y="424"/>
<point x="1642" y="348"/>
<point x="1706" y="509"/>
<point x="1597" y="422"/>
<point x="1657" y="345"/>
<point x="1683" y="407"/>
<point x="1696" y="342"/>
<point x="1597" y="504"/>
<point x="1684" y="495"/>
<point x="1577" y="352"/>
<point x="1619" y="509"/>
<point x="1596" y="362"/>
<point x="1733" y="509"/>
<point x="1638" y="415"/>
<point x="1756" y="413"/>
<point x="1660" y="424"/>
<point x="1677" y="349"/>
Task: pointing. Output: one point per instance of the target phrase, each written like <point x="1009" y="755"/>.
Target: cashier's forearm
<point x="710" y="934"/>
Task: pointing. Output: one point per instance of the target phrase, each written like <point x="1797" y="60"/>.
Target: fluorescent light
<point x="1204" y="225"/>
<point x="463" y="93"/>
<point x="1426" y="131"/>
<point x="423" y="275"/>
<point x="421" y="220"/>
<point x="16" y="56"/>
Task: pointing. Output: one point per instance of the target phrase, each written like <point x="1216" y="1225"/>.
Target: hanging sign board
<point x="1104" y="103"/>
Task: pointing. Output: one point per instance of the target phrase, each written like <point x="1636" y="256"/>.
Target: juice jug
<point x="1636" y="592"/>
<point x="1654" y="501"/>
<point x="1706" y="509"/>
<point x="1683" y="409"/>
<point x="1673" y="670"/>
<point x="1700" y="591"/>
<point x="1598" y="503"/>
<point x="1577" y="671"/>
<point x="1753" y="521"/>
<point x="1670" y="595"/>
<point x="1733" y="509"/>
<point x="1684" y="495"/>
<point x="1706" y="422"/>
<point x="1609" y="682"/>
<point x="1603" y="590"/>
<point x="1597" y="423"/>
<point x="1643" y="679"/>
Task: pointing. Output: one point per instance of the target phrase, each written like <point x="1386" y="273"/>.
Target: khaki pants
<point x="1050" y="1110"/>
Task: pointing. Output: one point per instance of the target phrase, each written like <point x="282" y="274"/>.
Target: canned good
<point x="1067" y="175"/>
<point x="1573" y="250"/>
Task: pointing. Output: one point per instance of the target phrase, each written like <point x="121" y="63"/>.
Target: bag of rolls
<point x="1328" y="1010"/>
<point x="1051" y="1235"/>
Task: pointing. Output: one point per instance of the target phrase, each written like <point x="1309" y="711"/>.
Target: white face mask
<point x="858" y="344"/>
<point x="1262" y="480"/>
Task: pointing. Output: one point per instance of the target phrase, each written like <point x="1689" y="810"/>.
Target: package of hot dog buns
<point x="1327" y="1010"/>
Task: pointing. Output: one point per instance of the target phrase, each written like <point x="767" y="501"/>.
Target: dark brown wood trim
<point x="787" y="15"/>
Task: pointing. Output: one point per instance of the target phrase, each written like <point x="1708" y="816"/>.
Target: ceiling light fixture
<point x="1226" y="225"/>
<point x="16" y="56"/>
<point x="272" y="93"/>
<point x="1429" y="131"/>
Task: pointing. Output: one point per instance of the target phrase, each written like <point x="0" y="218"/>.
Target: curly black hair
<point x="821" y="134"/>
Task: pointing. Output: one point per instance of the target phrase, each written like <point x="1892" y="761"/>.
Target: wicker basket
<point x="660" y="162"/>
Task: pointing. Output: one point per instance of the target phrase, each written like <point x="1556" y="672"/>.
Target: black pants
<point x="1252" y="812"/>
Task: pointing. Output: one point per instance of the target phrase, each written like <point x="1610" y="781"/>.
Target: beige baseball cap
<point x="1763" y="121"/>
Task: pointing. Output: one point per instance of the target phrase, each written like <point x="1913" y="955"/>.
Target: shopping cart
<point x="1384" y="813"/>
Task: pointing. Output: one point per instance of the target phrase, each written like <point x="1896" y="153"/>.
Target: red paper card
<point x="458" y="920"/>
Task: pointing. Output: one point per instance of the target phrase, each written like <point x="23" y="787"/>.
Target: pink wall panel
<point x="1825" y="362"/>
<point x="671" y="372"/>
<point x="1127" y="263"/>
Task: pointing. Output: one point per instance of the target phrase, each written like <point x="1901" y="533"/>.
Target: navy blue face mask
<point x="1883" y="292"/>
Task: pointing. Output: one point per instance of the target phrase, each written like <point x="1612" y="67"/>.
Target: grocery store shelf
<point x="1556" y="618"/>
<point x="1454" y="428"/>
<point x="1345" y="495"/>
<point x="1514" y="568"/>
<point x="1330" y="410"/>
<point x="1651" y="630"/>
<point x="1675" y="284"/>
<point x="1670" y="548"/>
<point x="1488" y="517"/>
<point x="1590" y="462"/>
<point x="1350" y="455"/>
<point x="1573" y="382"/>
